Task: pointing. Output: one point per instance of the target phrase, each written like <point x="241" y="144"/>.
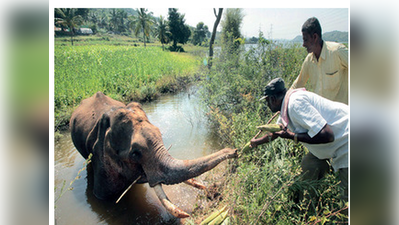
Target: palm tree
<point x="114" y="20"/>
<point x="122" y="16"/>
<point x="162" y="31"/>
<point x="69" y="18"/>
<point x="142" y="22"/>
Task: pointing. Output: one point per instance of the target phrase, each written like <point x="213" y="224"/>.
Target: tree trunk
<point x="215" y="25"/>
<point x="144" y="36"/>
<point x="72" y="36"/>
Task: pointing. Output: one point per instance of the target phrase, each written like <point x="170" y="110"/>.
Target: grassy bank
<point x="262" y="186"/>
<point x="124" y="72"/>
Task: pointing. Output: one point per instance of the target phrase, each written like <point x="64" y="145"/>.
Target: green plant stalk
<point x="214" y="215"/>
<point x="220" y="218"/>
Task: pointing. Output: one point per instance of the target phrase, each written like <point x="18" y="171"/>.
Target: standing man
<point x="326" y="65"/>
<point x="321" y="125"/>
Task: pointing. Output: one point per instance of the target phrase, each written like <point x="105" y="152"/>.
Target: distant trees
<point x="231" y="25"/>
<point x="69" y="18"/>
<point x="139" y="22"/>
<point x="200" y="34"/>
<point x="180" y="32"/>
<point x="162" y="31"/>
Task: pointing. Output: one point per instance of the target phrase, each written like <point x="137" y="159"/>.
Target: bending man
<point x="321" y="125"/>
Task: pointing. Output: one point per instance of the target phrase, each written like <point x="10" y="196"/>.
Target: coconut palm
<point x="142" y="22"/>
<point x="114" y="20"/>
<point x="69" y="18"/>
<point x="162" y="31"/>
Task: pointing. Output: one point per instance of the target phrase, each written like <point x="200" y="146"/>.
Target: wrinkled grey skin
<point x="125" y="145"/>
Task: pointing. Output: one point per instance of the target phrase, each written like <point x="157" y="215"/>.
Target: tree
<point x="231" y="24"/>
<point x="143" y="22"/>
<point x="122" y="16"/>
<point x="117" y="21"/>
<point x="215" y="25"/>
<point x="103" y="22"/>
<point x="69" y="18"/>
<point x="180" y="32"/>
<point x="200" y="33"/>
<point x="114" y="20"/>
<point x="162" y="31"/>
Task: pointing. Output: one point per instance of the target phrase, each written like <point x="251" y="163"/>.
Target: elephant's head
<point x="127" y="147"/>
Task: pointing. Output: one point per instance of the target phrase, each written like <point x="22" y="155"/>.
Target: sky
<point x="275" y="23"/>
<point x="281" y="19"/>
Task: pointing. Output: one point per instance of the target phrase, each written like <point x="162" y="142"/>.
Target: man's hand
<point x="253" y="143"/>
<point x="285" y="133"/>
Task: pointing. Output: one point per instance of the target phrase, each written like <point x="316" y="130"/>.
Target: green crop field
<point x="125" y="73"/>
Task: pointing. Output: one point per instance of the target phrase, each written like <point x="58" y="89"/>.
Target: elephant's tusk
<point x="172" y="209"/>
<point x="195" y="183"/>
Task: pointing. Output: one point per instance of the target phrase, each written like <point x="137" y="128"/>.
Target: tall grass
<point x="124" y="73"/>
<point x="264" y="185"/>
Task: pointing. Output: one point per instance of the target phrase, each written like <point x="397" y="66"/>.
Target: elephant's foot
<point x="172" y="209"/>
<point x="195" y="183"/>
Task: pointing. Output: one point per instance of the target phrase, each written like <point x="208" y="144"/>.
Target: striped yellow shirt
<point x="327" y="76"/>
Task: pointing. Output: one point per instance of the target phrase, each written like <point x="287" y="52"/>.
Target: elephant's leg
<point x="195" y="183"/>
<point x="170" y="207"/>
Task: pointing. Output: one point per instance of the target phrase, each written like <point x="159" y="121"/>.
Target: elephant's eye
<point x="135" y="152"/>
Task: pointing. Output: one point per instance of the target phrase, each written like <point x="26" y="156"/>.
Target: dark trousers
<point x="314" y="168"/>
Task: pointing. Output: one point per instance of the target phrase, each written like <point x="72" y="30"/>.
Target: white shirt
<point x="309" y="113"/>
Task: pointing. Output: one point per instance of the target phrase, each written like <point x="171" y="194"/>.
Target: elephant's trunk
<point x="169" y="170"/>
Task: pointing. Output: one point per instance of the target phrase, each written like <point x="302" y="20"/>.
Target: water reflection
<point x="182" y="124"/>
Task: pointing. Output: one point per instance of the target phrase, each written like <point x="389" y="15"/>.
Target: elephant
<point x="126" y="148"/>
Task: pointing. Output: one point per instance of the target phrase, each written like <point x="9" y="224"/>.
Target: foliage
<point x="180" y="32"/>
<point x="143" y="22"/>
<point x="231" y="25"/>
<point x="264" y="186"/>
<point x="125" y="21"/>
<point x="162" y="31"/>
<point x="124" y="73"/>
<point x="117" y="20"/>
<point x="68" y="18"/>
<point x="200" y="34"/>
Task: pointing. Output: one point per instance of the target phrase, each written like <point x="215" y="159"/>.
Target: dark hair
<point x="312" y="26"/>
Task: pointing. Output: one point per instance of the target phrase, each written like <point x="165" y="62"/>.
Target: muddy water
<point x="183" y="126"/>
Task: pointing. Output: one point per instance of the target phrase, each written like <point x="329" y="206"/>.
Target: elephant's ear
<point x="97" y="134"/>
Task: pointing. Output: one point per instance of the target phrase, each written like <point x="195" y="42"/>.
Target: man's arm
<point x="265" y="139"/>
<point x="325" y="135"/>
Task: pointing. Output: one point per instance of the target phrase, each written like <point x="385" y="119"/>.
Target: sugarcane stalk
<point x="213" y="215"/>
<point x="269" y="128"/>
<point x="219" y="219"/>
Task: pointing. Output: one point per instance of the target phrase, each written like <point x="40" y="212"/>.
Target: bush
<point x="264" y="184"/>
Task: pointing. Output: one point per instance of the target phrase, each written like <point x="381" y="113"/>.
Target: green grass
<point x="125" y="73"/>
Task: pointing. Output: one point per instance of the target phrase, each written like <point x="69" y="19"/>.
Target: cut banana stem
<point x="170" y="207"/>
<point x="193" y="182"/>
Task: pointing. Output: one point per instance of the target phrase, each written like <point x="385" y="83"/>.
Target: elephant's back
<point x="86" y="115"/>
